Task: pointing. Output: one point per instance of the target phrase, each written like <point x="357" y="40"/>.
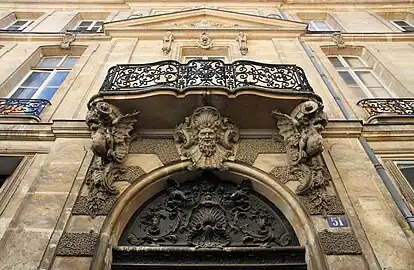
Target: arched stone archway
<point x="143" y="188"/>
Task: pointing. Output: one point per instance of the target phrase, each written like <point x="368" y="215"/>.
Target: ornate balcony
<point x="387" y="108"/>
<point x="165" y="92"/>
<point x="206" y="74"/>
<point x="25" y="108"/>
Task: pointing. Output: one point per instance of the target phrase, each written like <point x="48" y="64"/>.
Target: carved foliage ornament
<point x="110" y="134"/>
<point x="208" y="213"/>
<point x="301" y="131"/>
<point x="206" y="138"/>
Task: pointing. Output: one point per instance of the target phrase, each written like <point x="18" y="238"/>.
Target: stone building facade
<point x="172" y="134"/>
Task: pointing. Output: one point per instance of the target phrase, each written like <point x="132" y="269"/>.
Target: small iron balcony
<point x="25" y="108"/>
<point x="206" y="74"/>
<point x="387" y="107"/>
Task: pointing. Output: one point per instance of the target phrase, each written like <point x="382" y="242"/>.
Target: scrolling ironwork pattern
<point x="22" y="107"/>
<point x="206" y="73"/>
<point x="393" y="106"/>
<point x="208" y="213"/>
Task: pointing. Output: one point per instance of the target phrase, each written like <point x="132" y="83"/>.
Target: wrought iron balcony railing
<point x="388" y="106"/>
<point x="16" y="107"/>
<point x="206" y="74"/>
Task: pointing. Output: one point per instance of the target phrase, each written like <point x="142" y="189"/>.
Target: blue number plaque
<point x="337" y="222"/>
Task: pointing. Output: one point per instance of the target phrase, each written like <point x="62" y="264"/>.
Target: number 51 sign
<point x="337" y="221"/>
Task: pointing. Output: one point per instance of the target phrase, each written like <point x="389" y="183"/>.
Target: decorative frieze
<point x="77" y="244"/>
<point x="249" y="149"/>
<point x="83" y="206"/>
<point x="206" y="138"/>
<point x="164" y="149"/>
<point x="339" y="243"/>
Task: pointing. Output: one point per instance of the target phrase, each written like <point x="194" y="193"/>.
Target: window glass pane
<point x="408" y="171"/>
<point x="86" y="23"/>
<point x="354" y="61"/>
<point x="24" y="93"/>
<point x="50" y="61"/>
<point x="12" y="28"/>
<point x="98" y="23"/>
<point x="47" y="93"/>
<point x="35" y="79"/>
<point x="322" y="26"/>
<point x="70" y="61"/>
<point x="405" y="26"/>
<point x="347" y="78"/>
<point x="368" y="79"/>
<point x="95" y="29"/>
<point x="20" y="23"/>
<point x="58" y="78"/>
<point x="335" y="62"/>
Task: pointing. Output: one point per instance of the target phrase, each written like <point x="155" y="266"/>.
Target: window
<point x="44" y="79"/>
<point x="19" y="25"/>
<point x="359" y="77"/>
<point x="319" y="25"/>
<point x="89" y="26"/>
<point x="407" y="170"/>
<point x="403" y="25"/>
<point x="8" y="166"/>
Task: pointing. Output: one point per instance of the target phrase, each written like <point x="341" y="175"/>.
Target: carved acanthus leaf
<point x="206" y="138"/>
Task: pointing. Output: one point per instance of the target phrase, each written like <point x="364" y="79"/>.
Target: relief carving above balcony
<point x="301" y="131"/>
<point x="206" y="138"/>
<point x="110" y="134"/>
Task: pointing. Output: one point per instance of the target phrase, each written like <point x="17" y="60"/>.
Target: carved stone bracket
<point x="206" y="138"/>
<point x="301" y="131"/>
<point x="167" y="42"/>
<point x="242" y="40"/>
<point x="110" y="133"/>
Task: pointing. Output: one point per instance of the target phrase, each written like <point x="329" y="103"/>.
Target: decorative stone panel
<point x="77" y="244"/>
<point x="164" y="148"/>
<point x="131" y="173"/>
<point x="82" y="207"/>
<point x="249" y="149"/>
<point x="339" y="243"/>
<point x="333" y="205"/>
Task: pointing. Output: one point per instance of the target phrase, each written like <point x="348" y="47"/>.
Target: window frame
<point x="352" y="71"/>
<point x="52" y="72"/>
<point x="21" y="28"/>
<point x="400" y="28"/>
<point x="89" y="29"/>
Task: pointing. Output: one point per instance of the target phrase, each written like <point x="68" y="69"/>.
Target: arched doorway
<point x="280" y="203"/>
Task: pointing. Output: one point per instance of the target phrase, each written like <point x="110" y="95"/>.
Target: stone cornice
<point x="351" y="38"/>
<point x="78" y="129"/>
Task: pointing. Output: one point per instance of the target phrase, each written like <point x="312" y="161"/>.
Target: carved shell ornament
<point x="206" y="138"/>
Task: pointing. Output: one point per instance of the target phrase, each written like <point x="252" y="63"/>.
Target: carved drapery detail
<point x="110" y="134"/>
<point x="206" y="138"/>
<point x="301" y="131"/>
<point x="208" y="213"/>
